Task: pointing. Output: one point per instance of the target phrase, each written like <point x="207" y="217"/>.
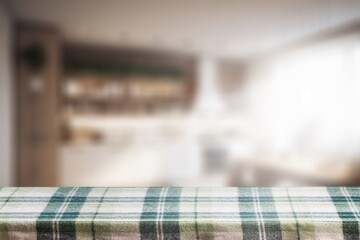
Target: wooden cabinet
<point x="37" y="74"/>
<point x="103" y="80"/>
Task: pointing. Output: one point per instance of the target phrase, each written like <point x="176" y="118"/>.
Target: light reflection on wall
<point x="307" y="100"/>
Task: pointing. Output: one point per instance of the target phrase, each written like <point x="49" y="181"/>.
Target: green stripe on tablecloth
<point x="148" y="229"/>
<point x="271" y="222"/>
<point x="8" y="198"/>
<point x="205" y="229"/>
<point x="44" y="223"/>
<point x="355" y="203"/>
<point x="196" y="215"/>
<point x="96" y="213"/>
<point x="250" y="229"/>
<point x="294" y="213"/>
<point x="171" y="227"/>
<point x="3" y="224"/>
<point x="258" y="214"/>
<point x="160" y="213"/>
<point x="354" y="193"/>
<point x="350" y="226"/>
<point x="67" y="224"/>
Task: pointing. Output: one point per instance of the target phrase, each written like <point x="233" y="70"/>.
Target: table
<point x="180" y="213"/>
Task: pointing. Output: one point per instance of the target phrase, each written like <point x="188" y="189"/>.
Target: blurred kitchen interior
<point x="179" y="93"/>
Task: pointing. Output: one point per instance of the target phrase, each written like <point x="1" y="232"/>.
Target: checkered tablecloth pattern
<point x="180" y="213"/>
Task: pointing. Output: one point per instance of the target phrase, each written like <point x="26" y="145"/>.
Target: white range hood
<point x="208" y="97"/>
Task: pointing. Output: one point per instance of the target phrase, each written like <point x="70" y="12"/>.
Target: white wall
<point x="6" y="98"/>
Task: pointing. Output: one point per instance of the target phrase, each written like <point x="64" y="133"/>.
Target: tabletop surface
<point x="180" y="213"/>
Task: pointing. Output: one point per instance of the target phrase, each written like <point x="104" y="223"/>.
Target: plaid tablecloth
<point x="180" y="213"/>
